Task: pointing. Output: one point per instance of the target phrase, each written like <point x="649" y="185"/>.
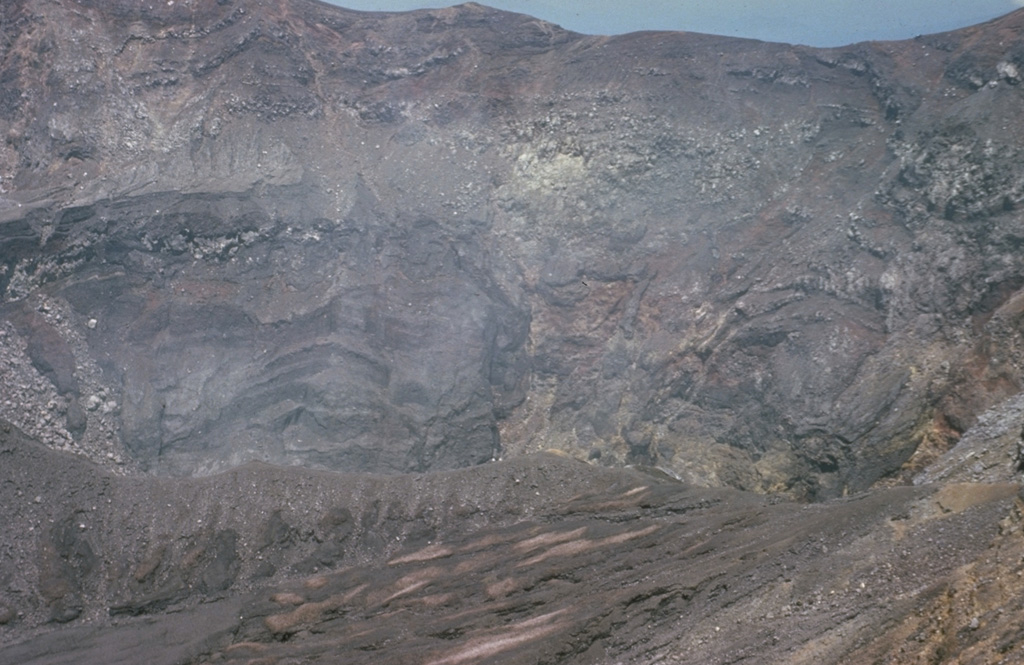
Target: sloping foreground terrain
<point x="287" y="232"/>
<point x="541" y="559"/>
<point x="292" y="299"/>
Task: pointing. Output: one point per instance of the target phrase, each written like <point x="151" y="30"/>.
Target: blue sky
<point x="812" y="22"/>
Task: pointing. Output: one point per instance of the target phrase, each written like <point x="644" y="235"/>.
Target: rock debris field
<point x="451" y="336"/>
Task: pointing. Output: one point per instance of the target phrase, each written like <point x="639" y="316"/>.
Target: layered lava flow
<point x="451" y="336"/>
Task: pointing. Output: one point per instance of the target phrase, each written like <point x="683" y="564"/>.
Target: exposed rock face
<point x="992" y="451"/>
<point x="294" y="233"/>
<point x="237" y="233"/>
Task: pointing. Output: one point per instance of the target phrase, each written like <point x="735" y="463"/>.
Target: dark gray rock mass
<point x="278" y="278"/>
<point x="304" y="235"/>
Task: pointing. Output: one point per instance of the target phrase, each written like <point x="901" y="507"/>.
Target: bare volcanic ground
<point x="292" y="233"/>
<point x="296" y="302"/>
<point x="542" y="559"/>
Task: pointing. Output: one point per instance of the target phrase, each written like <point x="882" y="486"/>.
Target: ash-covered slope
<point x="288" y="232"/>
<point x="540" y="559"/>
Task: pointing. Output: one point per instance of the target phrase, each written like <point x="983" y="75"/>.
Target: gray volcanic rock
<point x="234" y="234"/>
<point x="294" y="233"/>
<point x="539" y="559"/>
<point x="992" y="451"/>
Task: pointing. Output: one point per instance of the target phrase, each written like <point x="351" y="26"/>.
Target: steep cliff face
<point x="295" y="233"/>
<point x="286" y="232"/>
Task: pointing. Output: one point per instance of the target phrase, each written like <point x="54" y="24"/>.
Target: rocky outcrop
<point x="266" y="249"/>
<point x="992" y="451"/>
<point x="299" y="234"/>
